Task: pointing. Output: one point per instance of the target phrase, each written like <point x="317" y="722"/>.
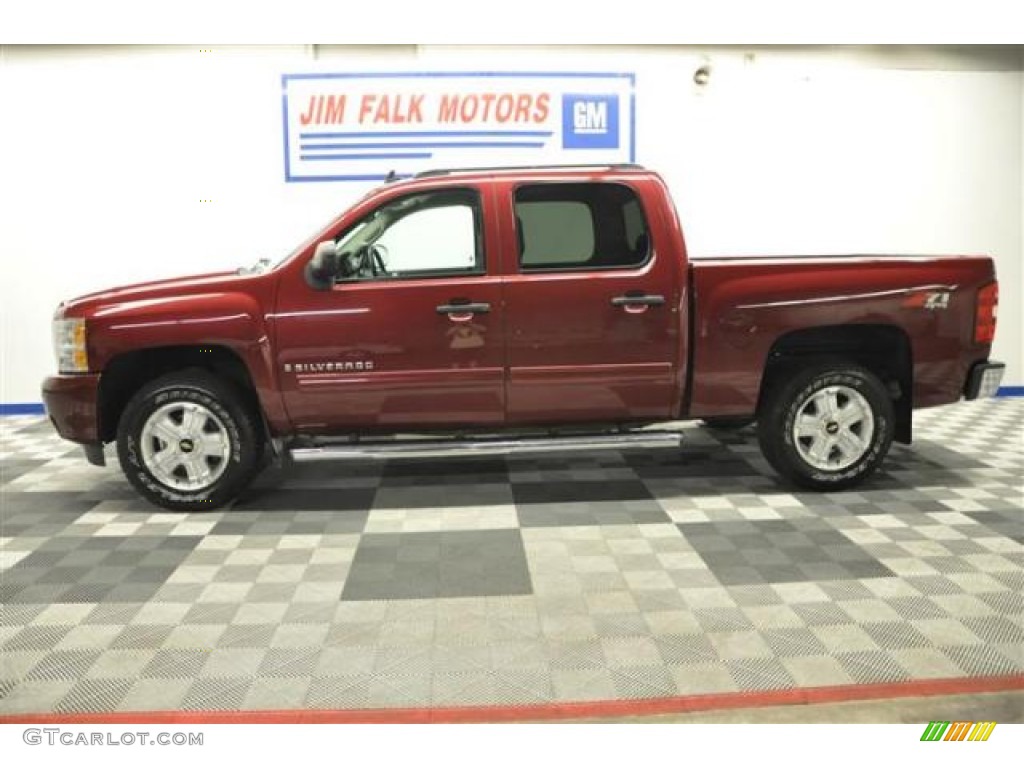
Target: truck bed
<point x="743" y="306"/>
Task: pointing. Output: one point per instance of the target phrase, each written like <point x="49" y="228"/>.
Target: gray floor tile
<point x="445" y="564"/>
<point x="519" y="579"/>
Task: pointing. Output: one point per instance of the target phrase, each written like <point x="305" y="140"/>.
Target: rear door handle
<point x="645" y="300"/>
<point x="463" y="311"/>
<point x="472" y="308"/>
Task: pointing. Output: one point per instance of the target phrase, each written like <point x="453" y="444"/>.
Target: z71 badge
<point x="928" y="300"/>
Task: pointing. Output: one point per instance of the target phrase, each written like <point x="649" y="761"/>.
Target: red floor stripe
<point x="560" y="711"/>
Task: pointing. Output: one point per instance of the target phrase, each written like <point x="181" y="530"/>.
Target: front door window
<point x="427" y="234"/>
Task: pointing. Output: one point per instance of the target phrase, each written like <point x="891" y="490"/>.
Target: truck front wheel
<point x="828" y="427"/>
<point x="187" y="442"/>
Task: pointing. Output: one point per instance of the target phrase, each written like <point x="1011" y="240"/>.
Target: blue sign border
<point x="631" y="77"/>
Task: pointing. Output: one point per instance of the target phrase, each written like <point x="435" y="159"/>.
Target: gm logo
<point x="590" y="121"/>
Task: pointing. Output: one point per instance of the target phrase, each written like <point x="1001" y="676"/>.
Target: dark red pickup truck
<point x="491" y="301"/>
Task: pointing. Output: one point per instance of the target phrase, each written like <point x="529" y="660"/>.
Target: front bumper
<point x="72" y="403"/>
<point x="984" y="380"/>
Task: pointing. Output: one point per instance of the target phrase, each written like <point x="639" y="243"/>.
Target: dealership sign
<point x="366" y="126"/>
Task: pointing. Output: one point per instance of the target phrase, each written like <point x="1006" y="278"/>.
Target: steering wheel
<point x="365" y="263"/>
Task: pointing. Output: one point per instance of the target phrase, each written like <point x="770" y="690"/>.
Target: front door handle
<point x="462" y="312"/>
<point x="638" y="300"/>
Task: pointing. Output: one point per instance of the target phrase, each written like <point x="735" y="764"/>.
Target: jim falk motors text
<point x="413" y="108"/>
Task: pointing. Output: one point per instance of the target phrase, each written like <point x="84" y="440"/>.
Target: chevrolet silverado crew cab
<point x="497" y="302"/>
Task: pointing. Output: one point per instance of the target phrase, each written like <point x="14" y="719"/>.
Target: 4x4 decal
<point x="928" y="300"/>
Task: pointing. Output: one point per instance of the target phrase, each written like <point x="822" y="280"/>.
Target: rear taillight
<point x="985" y="314"/>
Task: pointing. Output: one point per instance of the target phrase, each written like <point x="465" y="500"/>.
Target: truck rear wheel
<point x="828" y="427"/>
<point x="187" y="442"/>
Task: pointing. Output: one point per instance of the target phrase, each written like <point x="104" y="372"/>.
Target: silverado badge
<point x="329" y="367"/>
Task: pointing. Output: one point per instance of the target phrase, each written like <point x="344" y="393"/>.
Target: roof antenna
<point x="391" y="176"/>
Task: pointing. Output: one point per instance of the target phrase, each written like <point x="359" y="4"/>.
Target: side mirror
<point x="323" y="267"/>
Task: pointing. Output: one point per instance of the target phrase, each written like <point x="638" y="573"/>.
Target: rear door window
<point x="580" y="227"/>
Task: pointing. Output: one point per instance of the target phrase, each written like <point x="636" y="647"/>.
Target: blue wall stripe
<point x="352" y="177"/>
<point x="21" y="409"/>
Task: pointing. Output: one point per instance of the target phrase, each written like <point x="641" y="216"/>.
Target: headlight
<point x="69" y="345"/>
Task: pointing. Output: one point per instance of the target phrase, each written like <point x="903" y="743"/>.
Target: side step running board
<point x="434" y="447"/>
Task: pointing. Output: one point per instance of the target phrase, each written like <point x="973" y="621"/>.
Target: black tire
<point x="728" y="423"/>
<point x="856" y="391"/>
<point x="220" y="411"/>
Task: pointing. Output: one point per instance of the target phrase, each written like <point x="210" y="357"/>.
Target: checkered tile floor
<point x="629" y="573"/>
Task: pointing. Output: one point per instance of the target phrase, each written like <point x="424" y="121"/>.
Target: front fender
<point x="229" y="319"/>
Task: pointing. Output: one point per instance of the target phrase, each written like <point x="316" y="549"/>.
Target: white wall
<point x="108" y="156"/>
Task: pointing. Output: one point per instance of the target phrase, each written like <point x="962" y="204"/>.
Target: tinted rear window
<point x="580" y="226"/>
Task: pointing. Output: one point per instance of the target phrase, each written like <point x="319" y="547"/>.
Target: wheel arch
<point x="883" y="349"/>
<point x="127" y="373"/>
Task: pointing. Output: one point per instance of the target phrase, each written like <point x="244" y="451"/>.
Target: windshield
<point x="317" y="235"/>
<point x="369" y="229"/>
<point x="355" y="238"/>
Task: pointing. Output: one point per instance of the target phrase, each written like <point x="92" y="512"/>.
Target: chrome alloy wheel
<point x="185" y="446"/>
<point x="834" y="428"/>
